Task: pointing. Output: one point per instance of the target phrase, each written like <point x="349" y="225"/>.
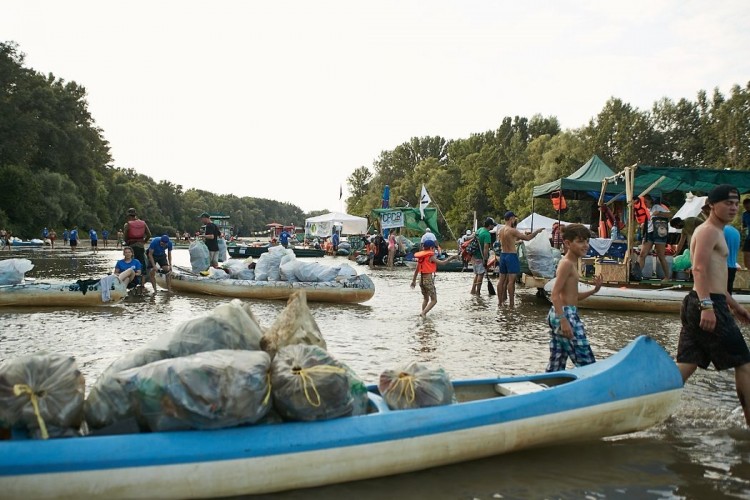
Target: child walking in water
<point x="427" y="263"/>
<point x="567" y="333"/>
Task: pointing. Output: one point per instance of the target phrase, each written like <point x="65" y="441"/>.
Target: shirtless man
<point x="709" y="332"/>
<point x="509" y="265"/>
<point x="568" y="335"/>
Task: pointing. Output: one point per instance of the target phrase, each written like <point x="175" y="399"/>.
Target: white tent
<point x="322" y="225"/>
<point x="539" y="221"/>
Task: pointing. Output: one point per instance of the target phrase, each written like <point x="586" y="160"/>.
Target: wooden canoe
<point x="632" y="390"/>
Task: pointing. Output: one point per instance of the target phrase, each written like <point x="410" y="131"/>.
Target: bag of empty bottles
<point x="416" y="386"/>
<point x="229" y="326"/>
<point x="208" y="390"/>
<point x="199" y="256"/>
<point x="295" y="325"/>
<point x="42" y="393"/>
<point x="309" y="384"/>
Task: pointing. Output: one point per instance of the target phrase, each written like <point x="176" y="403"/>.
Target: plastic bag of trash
<point x="235" y="267"/>
<point x="42" y="393"/>
<point x="217" y="274"/>
<point x="267" y="267"/>
<point x="295" y="325"/>
<point x="12" y="270"/>
<point x="539" y="255"/>
<point x="309" y="384"/>
<point x="415" y="385"/>
<point x="682" y="261"/>
<point x="199" y="260"/>
<point x="314" y="272"/>
<point x="229" y="326"/>
<point x="288" y="270"/>
<point x="346" y="272"/>
<point x="208" y="390"/>
<point x="223" y="255"/>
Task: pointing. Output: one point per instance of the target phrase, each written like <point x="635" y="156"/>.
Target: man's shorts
<point x="213" y="257"/>
<point x="746" y="246"/>
<point x="478" y="266"/>
<point x="509" y="263"/>
<point x="94" y="243"/>
<point x="725" y="347"/>
<point x="427" y="285"/>
<point x="159" y="259"/>
<point x="577" y="349"/>
<point x="74" y="243"/>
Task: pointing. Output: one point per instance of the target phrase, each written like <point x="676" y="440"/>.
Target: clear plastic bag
<point x="12" y="270"/>
<point x="199" y="260"/>
<point x="209" y="390"/>
<point x="416" y="386"/>
<point x="42" y="393"/>
<point x="539" y="255"/>
<point x="295" y="325"/>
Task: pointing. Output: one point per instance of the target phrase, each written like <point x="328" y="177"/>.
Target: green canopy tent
<point x="406" y="217"/>
<point x="580" y="183"/>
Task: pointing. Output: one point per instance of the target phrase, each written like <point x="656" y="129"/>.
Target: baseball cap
<point x="164" y="238"/>
<point x="429" y="244"/>
<point x="489" y="221"/>
<point x="723" y="192"/>
<point x="509" y="214"/>
<point x="205" y="214"/>
<point x="468" y="232"/>
<point x="131" y="211"/>
<point x="427" y="230"/>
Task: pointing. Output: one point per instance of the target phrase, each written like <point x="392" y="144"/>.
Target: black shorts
<point x="94" y="243"/>
<point x="725" y="347"/>
<point x="746" y="246"/>
<point x="74" y="243"/>
<point x="139" y="253"/>
<point x="159" y="259"/>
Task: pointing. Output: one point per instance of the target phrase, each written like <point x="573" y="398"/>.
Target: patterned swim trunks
<point x="427" y="285"/>
<point x="561" y="348"/>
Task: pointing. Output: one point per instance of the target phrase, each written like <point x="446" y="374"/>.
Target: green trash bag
<point x="682" y="262"/>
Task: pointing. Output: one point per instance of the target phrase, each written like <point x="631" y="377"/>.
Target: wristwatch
<point x="706" y="304"/>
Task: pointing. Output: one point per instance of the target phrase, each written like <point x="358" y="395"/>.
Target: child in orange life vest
<point x="427" y="263"/>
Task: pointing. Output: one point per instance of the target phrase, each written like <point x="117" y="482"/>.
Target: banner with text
<point x="391" y="219"/>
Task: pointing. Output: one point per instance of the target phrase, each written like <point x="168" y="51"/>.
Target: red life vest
<point x="136" y="231"/>
<point x="558" y="201"/>
<point x="423" y="261"/>
<point x="640" y="211"/>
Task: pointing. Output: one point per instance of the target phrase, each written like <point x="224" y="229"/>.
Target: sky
<point x="285" y="99"/>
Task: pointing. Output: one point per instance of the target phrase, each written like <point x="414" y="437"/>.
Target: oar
<point x="673" y="287"/>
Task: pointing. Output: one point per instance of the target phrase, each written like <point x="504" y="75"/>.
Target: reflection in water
<point x="702" y="452"/>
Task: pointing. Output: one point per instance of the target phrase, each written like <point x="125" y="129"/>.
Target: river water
<point x="702" y="452"/>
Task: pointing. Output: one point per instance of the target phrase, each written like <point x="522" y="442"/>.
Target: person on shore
<point x="94" y="240"/>
<point x="510" y="266"/>
<point x="392" y="246"/>
<point x="479" y="258"/>
<point x="427" y="263"/>
<point x="211" y="236"/>
<point x="284" y="238"/>
<point x="52" y="238"/>
<point x="66" y="236"/>
<point x="73" y="238"/>
<point x="709" y="333"/>
<point x="746" y="233"/>
<point x="160" y="253"/>
<point x="567" y="333"/>
<point x="135" y="233"/>
<point x="657" y="233"/>
<point x="335" y="238"/>
<point x="128" y="270"/>
<point x="428" y="235"/>
<point x="105" y="237"/>
<point x="120" y="239"/>
<point x="5" y="239"/>
<point x="45" y="235"/>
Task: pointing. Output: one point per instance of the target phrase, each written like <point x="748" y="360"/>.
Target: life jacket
<point x="423" y="261"/>
<point x="640" y="211"/>
<point x="558" y="201"/>
<point x="136" y="231"/>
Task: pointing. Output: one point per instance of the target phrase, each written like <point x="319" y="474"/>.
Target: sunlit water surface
<point x="702" y="452"/>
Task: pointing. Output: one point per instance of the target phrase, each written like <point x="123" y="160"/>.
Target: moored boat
<point x="244" y="251"/>
<point x="35" y="243"/>
<point x="634" y="297"/>
<point x="350" y="290"/>
<point x="81" y="293"/>
<point x="636" y="388"/>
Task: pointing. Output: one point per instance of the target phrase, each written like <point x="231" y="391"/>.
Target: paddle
<point x="490" y="286"/>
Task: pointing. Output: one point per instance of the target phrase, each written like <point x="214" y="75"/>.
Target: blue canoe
<point x="632" y="390"/>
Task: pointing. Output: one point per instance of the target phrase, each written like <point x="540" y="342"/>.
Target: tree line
<point x="494" y="171"/>
<point x="56" y="168"/>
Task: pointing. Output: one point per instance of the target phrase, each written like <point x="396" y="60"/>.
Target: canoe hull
<point x="630" y="391"/>
<point x="40" y="294"/>
<point x="356" y="290"/>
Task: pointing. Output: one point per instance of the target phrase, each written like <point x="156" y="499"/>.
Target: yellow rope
<point x="406" y="384"/>
<point x="268" y="392"/>
<point x="303" y="373"/>
<point x="20" y="389"/>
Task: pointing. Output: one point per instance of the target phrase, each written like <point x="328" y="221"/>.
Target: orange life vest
<point x="558" y="201"/>
<point x="424" y="264"/>
<point x="640" y="211"/>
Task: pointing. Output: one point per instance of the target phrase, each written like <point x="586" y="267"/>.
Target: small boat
<point x="634" y="389"/>
<point x="352" y="290"/>
<point x="35" y="243"/>
<point x="633" y="297"/>
<point x="244" y="251"/>
<point x="454" y="266"/>
<point x="81" y="293"/>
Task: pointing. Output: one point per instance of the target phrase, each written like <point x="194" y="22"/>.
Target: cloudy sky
<point x="284" y="99"/>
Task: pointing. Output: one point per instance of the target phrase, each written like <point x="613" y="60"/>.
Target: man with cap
<point x="479" y="258"/>
<point x="709" y="333"/>
<point x="428" y="235"/>
<point x="211" y="235"/>
<point x="160" y="252"/>
<point x="135" y="232"/>
<point x="508" y="263"/>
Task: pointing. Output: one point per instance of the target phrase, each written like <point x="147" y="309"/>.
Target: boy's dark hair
<point x="573" y="231"/>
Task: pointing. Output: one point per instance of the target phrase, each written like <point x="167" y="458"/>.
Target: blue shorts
<point x="509" y="263"/>
<point x="561" y="348"/>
